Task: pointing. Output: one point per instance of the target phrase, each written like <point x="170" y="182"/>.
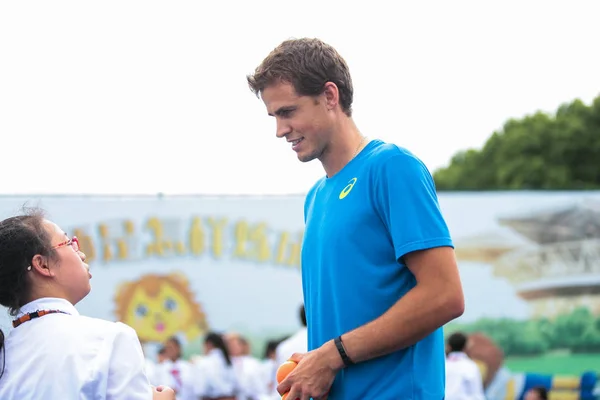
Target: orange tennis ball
<point x="285" y="369"/>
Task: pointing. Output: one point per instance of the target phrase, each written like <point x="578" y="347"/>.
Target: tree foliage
<point x="539" y="151"/>
<point x="578" y="331"/>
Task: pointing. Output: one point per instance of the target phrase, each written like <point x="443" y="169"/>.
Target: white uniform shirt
<point x="156" y="374"/>
<point x="69" y="356"/>
<point x="297" y="343"/>
<point x="249" y="374"/>
<point x="214" y="377"/>
<point x="179" y="376"/>
<point x="463" y="379"/>
<point x="269" y="375"/>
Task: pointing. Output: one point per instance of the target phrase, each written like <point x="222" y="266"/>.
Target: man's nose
<point x="283" y="128"/>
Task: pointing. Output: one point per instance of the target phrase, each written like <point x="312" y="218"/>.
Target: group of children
<point x="226" y="369"/>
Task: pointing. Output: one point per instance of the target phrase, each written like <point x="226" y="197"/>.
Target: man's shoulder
<point x="312" y="192"/>
<point x="382" y="153"/>
<point x="316" y="186"/>
<point x="387" y="161"/>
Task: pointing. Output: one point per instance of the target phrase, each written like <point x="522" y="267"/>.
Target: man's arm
<point x="436" y="300"/>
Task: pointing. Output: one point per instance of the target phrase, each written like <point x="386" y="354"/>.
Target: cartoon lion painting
<point x="160" y="306"/>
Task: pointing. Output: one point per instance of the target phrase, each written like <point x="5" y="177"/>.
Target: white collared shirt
<point x="463" y="379"/>
<point x="156" y="373"/>
<point x="180" y="376"/>
<point x="69" y="356"/>
<point x="297" y="343"/>
<point x="269" y="367"/>
<point x="214" y="377"/>
<point x="249" y="374"/>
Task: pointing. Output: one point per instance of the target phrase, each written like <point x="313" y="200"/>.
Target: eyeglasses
<point x="73" y="242"/>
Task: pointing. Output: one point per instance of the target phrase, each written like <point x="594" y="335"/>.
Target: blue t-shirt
<point x="359" y="224"/>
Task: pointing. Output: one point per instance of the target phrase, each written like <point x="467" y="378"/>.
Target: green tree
<point x="577" y="331"/>
<point x="589" y="342"/>
<point x="539" y="151"/>
<point x="570" y="328"/>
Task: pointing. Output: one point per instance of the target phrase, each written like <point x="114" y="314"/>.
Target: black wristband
<point x="340" y="346"/>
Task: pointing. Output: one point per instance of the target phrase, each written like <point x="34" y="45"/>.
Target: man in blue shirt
<point x="379" y="274"/>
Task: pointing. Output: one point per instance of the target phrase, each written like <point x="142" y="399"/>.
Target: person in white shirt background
<point x="179" y="373"/>
<point x="270" y="370"/>
<point x="215" y="378"/>
<point x="297" y="343"/>
<point x="248" y="369"/>
<point x="154" y="371"/>
<point x="463" y="378"/>
<point x="53" y="352"/>
<point x="284" y="348"/>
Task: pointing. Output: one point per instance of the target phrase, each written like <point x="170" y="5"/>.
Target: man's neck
<point x="346" y="144"/>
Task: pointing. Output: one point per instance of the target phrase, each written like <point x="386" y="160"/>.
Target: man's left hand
<point x="313" y="376"/>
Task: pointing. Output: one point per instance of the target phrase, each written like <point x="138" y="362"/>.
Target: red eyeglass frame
<point x="73" y="242"/>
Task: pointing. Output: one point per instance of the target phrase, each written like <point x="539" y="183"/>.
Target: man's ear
<point x="40" y="265"/>
<point x="331" y="94"/>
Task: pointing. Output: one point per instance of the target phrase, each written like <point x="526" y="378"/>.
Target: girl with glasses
<point x="53" y="352"/>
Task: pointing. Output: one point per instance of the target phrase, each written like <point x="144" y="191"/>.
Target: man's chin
<point x="306" y="157"/>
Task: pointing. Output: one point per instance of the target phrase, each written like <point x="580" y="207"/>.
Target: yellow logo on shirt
<point x="346" y="191"/>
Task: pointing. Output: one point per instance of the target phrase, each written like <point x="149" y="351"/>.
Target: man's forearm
<point x="421" y="311"/>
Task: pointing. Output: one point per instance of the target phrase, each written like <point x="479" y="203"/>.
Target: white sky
<point x="146" y="96"/>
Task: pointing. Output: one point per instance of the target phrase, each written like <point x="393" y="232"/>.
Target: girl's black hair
<point x="21" y="238"/>
<point x="217" y="340"/>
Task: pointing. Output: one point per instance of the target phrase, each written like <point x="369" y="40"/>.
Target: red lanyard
<point x="177" y="376"/>
<point x="33" y="315"/>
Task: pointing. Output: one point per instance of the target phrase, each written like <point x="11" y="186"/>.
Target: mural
<point x="501" y="384"/>
<point x="160" y="306"/>
<point x="554" y="268"/>
<point x="552" y="260"/>
<point x="558" y="269"/>
<point x="180" y="265"/>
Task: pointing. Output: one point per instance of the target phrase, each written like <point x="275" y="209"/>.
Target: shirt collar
<point x="457" y="355"/>
<point x="48" y="303"/>
<point x="215" y="353"/>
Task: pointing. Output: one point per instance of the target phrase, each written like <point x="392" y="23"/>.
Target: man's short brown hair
<point x="306" y="64"/>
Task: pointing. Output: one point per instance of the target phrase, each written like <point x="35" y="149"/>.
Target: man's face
<point x="304" y="121"/>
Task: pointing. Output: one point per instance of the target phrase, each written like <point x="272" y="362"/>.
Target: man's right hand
<point x="163" y="393"/>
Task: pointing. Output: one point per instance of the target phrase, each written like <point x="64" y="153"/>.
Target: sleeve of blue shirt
<point x="407" y="202"/>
